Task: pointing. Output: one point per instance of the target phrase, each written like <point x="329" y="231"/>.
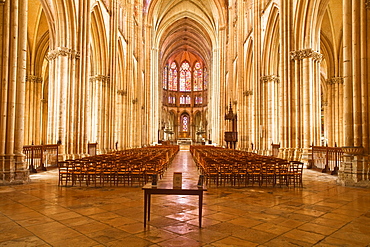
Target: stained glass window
<point x="206" y="79"/>
<point x="171" y="99"/>
<point x="198" y="77"/>
<point x="185" y="77"/>
<point x="165" y="77"/>
<point x="172" y="77"/>
<point x="182" y="100"/>
<point x="187" y="100"/>
<point x="185" y="122"/>
<point x="198" y="100"/>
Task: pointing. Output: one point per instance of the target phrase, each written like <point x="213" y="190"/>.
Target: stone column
<point x="307" y="80"/>
<point x="62" y="63"/>
<point x="287" y="91"/>
<point x="332" y="115"/>
<point x="354" y="170"/>
<point x="82" y="94"/>
<point x="269" y="115"/>
<point x="33" y="114"/>
<point x="121" y="118"/>
<point x="100" y="113"/>
<point x="13" y="33"/>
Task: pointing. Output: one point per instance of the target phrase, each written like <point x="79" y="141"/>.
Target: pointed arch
<point x="99" y="43"/>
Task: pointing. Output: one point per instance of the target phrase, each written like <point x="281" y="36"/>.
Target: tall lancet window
<point x="198" y="77"/>
<point x="185" y="77"/>
<point x="185" y="122"/>
<point x="165" y="77"/>
<point x="206" y="76"/>
<point x="172" y="77"/>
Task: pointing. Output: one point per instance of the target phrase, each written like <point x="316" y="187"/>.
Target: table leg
<point x="145" y="207"/>
<point x="200" y="209"/>
<point x="149" y="199"/>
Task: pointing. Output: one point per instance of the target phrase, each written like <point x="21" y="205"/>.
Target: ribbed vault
<point x="185" y="26"/>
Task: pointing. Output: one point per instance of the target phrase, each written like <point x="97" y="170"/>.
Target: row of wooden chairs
<point x="238" y="168"/>
<point x="134" y="167"/>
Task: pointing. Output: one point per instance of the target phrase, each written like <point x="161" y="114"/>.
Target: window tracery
<point x="198" y="77"/>
<point x="165" y="77"/>
<point x="185" y="77"/>
<point x="185" y="122"/>
<point x="172" y="77"/>
<point x="185" y="85"/>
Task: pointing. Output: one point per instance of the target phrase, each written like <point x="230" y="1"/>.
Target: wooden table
<point x="166" y="190"/>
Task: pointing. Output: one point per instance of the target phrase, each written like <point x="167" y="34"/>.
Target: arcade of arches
<point x="130" y="73"/>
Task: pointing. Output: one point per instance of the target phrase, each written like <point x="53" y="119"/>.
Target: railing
<point x="41" y="156"/>
<point x="327" y="158"/>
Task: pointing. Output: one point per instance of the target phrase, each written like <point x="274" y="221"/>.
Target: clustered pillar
<point x="13" y="46"/>
<point x="354" y="170"/>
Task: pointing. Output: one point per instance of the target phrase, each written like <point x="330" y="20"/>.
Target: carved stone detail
<point x="34" y="78"/>
<point x="63" y="51"/>
<point x="367" y="4"/>
<point x="335" y="80"/>
<point x="102" y="78"/>
<point x="248" y="93"/>
<point x="306" y="53"/>
<point x="269" y="78"/>
<point x="122" y="92"/>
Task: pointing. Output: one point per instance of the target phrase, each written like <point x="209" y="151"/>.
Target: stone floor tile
<point x="321" y="213"/>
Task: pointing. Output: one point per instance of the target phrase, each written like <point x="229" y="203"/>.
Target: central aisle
<point x="183" y="162"/>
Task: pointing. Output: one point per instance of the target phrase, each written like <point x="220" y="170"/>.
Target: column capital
<point x="63" y="51"/>
<point x="248" y="93"/>
<point x="335" y="80"/>
<point x="268" y="78"/>
<point x="306" y="53"/>
<point x="34" y="78"/>
<point x="122" y="92"/>
<point x="102" y="78"/>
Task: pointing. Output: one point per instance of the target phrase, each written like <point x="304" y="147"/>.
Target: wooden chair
<point x="254" y="172"/>
<point x="137" y="173"/>
<point x="268" y="175"/>
<point x="282" y="173"/>
<point x="122" y="173"/>
<point x="65" y="173"/>
<point x="212" y="174"/>
<point x="295" y="173"/>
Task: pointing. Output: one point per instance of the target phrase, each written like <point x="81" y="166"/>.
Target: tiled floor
<point x="320" y="214"/>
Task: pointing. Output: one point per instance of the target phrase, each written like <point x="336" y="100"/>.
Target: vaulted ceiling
<point x="186" y="26"/>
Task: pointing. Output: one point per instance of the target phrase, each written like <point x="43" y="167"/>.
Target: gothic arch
<point x="173" y="27"/>
<point x="246" y="119"/>
<point x="270" y="56"/>
<point x="99" y="46"/>
<point x="307" y="23"/>
<point x="270" y="82"/>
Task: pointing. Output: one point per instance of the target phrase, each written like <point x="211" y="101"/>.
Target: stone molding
<point x="306" y="53"/>
<point x="269" y="78"/>
<point x="335" y="80"/>
<point x="63" y="51"/>
<point x="34" y="78"/>
<point x="102" y="78"/>
<point x="248" y="93"/>
<point x="122" y="92"/>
